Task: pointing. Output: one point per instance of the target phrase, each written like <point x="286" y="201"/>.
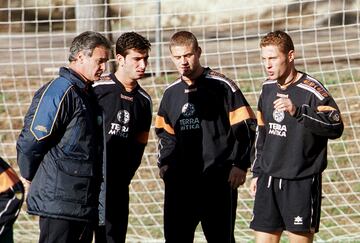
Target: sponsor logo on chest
<point x="120" y="128"/>
<point x="277" y="129"/>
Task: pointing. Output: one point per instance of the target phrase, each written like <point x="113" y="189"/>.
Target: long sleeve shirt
<point x="206" y="124"/>
<point x="293" y="147"/>
<point x="127" y="120"/>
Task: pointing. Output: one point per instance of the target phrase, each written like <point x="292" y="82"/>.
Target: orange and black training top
<point x="294" y="147"/>
<point x="126" y="123"/>
<point x="206" y="124"/>
<point x="11" y="196"/>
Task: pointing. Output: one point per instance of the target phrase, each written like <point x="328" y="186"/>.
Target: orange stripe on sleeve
<point x="260" y="119"/>
<point x="325" y="108"/>
<point x="160" y="123"/>
<point x="241" y="114"/>
<point x="8" y="178"/>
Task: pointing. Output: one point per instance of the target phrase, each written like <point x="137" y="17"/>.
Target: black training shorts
<point x="292" y="205"/>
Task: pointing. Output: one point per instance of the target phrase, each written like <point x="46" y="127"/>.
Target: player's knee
<point x="269" y="237"/>
<point x="300" y="237"/>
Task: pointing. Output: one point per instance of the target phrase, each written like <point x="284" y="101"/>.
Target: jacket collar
<point x="73" y="77"/>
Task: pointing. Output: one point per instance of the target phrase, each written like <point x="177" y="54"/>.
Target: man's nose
<point x="142" y="64"/>
<point x="103" y="66"/>
<point x="183" y="60"/>
<point x="267" y="63"/>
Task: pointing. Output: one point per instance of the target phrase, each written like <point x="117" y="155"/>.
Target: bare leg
<point x="300" y="237"/>
<point x="265" y="237"/>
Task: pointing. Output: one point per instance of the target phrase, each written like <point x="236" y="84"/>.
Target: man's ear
<point x="199" y="51"/>
<point x="80" y="57"/>
<point x="291" y="55"/>
<point x="120" y="59"/>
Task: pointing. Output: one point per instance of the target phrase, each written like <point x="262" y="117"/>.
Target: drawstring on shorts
<point x="269" y="183"/>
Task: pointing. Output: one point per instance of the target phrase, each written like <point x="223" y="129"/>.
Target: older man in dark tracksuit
<point x="59" y="146"/>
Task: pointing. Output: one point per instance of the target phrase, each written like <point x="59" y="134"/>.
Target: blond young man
<point x="296" y="117"/>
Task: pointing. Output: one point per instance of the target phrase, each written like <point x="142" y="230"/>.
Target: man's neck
<point x="290" y="79"/>
<point x="129" y="84"/>
<point x="79" y="74"/>
<point x="191" y="80"/>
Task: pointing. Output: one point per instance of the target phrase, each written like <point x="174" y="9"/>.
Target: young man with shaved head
<point x="205" y="128"/>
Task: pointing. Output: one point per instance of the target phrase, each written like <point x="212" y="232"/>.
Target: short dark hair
<point x="87" y="42"/>
<point x="280" y="39"/>
<point x="183" y="38"/>
<point x="131" y="40"/>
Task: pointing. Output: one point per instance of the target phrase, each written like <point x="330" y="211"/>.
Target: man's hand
<point x="237" y="177"/>
<point x="163" y="170"/>
<point x="253" y="186"/>
<point x="285" y="104"/>
<point x="26" y="184"/>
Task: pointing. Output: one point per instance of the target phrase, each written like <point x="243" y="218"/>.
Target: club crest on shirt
<point x="335" y="116"/>
<point x="188" y="109"/>
<point x="278" y="115"/>
<point x="120" y="129"/>
<point x="189" y="122"/>
<point x="123" y="116"/>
